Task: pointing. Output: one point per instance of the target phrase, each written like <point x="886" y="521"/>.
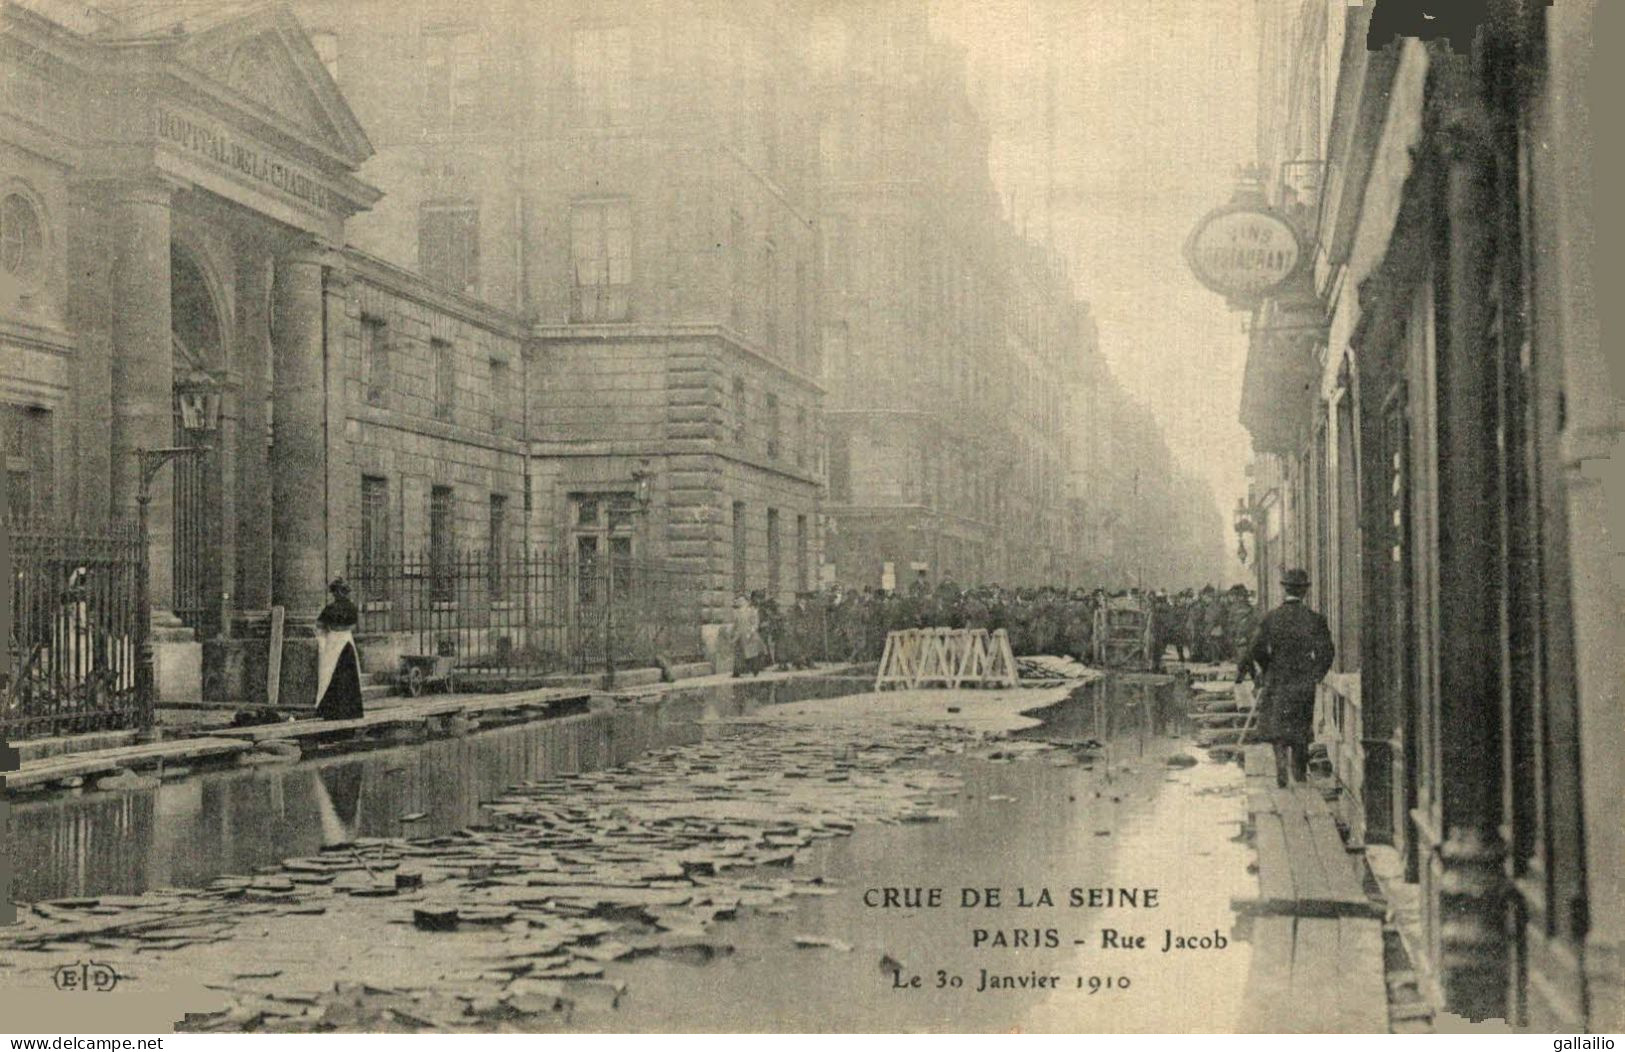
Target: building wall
<point x="395" y="430"/>
<point x="1460" y="748"/>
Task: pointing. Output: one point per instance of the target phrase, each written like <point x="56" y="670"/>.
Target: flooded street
<point x="725" y="860"/>
<point x="190" y="830"/>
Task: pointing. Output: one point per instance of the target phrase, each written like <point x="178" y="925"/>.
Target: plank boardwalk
<point x="105" y="761"/>
<point x="221" y="742"/>
<point x="1317" y="939"/>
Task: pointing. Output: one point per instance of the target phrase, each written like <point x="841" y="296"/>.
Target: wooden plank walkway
<point x="223" y="742"/>
<point x="106" y="761"/>
<point x="1317" y="962"/>
<point x="406" y="714"/>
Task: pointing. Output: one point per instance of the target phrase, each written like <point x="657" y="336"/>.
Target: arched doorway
<point x="199" y="353"/>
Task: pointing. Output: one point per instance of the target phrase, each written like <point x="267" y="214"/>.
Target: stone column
<point x="299" y="463"/>
<point x="1473" y="965"/>
<point x="253" y="583"/>
<point x="298" y="466"/>
<point x="90" y="317"/>
<point x="242" y="661"/>
<point x="143" y="372"/>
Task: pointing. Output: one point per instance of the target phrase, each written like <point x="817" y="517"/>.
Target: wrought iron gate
<point x="76" y="631"/>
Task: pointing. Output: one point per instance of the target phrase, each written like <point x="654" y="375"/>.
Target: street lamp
<point x="643" y="483"/>
<point x="199" y="407"/>
<point x="1243" y="525"/>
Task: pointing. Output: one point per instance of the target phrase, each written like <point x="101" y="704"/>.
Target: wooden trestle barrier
<point x="948" y="657"/>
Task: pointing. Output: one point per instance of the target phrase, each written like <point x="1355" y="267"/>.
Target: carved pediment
<point x="266" y="62"/>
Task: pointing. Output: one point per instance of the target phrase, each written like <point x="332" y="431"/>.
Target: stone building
<point x="635" y="187"/>
<point x="177" y="185"/>
<point x="1426" y="405"/>
<point x="940" y="325"/>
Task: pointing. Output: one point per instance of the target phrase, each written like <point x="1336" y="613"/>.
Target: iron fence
<point x="522" y="614"/>
<point x="76" y="631"/>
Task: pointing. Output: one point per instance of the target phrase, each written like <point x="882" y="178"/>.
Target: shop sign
<point x="1244" y="253"/>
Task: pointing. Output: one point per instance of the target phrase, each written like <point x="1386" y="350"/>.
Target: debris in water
<point x="820" y="941"/>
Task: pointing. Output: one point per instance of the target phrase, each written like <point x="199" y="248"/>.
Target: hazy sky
<point x="1153" y="114"/>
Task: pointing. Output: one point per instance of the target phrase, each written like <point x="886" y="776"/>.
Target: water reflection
<point x="187" y="832"/>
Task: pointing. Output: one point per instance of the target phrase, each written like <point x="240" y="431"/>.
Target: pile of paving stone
<point x="511" y="923"/>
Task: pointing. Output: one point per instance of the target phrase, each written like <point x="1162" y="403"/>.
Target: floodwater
<point x="1044" y="904"/>
<point x="1034" y="831"/>
<point x="190" y="830"/>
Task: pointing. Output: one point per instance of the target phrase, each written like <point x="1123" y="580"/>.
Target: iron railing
<point x="76" y="631"/>
<point x="513" y="616"/>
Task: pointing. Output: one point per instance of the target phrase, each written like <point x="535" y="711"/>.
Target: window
<point x="449" y="246"/>
<point x="739" y="409"/>
<point x="496" y="543"/>
<point x="602" y="74"/>
<point x="27" y="453"/>
<point x="620" y="565"/>
<point x="451" y="70"/>
<point x="442" y="544"/>
<point x="21" y="237"/>
<point x="773" y="425"/>
<point x="601" y="254"/>
<point x="773" y="553"/>
<point x="374" y="523"/>
<point x="803" y="562"/>
<point x="840" y="468"/>
<point x="500" y="393"/>
<point x="801" y="439"/>
<point x="739" y="547"/>
<point x="374" y="359"/>
<point x="605" y="528"/>
<point x="445" y="377"/>
<point x="326" y="43"/>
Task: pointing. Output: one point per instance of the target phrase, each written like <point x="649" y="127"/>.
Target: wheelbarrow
<point x="419" y="672"/>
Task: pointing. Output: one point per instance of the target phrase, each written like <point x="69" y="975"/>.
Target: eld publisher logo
<point x="91" y="975"/>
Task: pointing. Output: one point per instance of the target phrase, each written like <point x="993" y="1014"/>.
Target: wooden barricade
<point x="946" y="657"/>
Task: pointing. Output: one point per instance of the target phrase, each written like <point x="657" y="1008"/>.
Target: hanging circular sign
<point x="1244" y="253"/>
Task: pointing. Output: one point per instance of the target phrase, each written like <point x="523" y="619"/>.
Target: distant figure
<point x="747" y="625"/>
<point x="338" y="682"/>
<point x="1293" y="651"/>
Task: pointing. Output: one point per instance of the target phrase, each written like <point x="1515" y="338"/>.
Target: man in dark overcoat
<point x="1291" y="651"/>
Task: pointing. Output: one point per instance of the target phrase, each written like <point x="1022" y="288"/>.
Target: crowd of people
<point x="842" y="625"/>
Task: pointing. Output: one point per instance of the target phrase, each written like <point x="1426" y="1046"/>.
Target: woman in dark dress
<point x="339" y="682"/>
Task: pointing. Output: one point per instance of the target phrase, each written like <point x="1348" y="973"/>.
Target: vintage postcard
<point x="837" y="516"/>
